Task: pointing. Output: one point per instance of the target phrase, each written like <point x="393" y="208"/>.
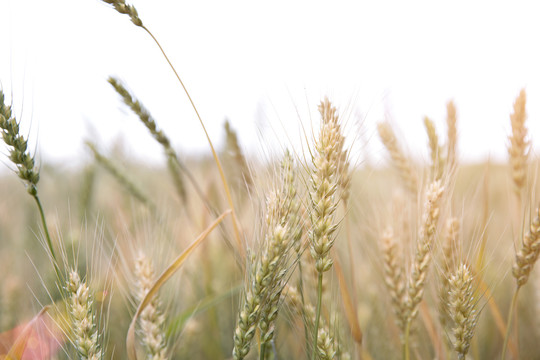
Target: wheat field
<point x="308" y="255"/>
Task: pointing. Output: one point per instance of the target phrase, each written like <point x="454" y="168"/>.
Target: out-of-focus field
<point x="100" y="225"/>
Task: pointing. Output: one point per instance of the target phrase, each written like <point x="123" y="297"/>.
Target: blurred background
<point x="265" y="67"/>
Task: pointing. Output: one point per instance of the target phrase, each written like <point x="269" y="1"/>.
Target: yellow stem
<point x="509" y="322"/>
<point x="214" y="153"/>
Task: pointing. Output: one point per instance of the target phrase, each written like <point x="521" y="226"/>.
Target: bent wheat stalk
<point x="123" y="8"/>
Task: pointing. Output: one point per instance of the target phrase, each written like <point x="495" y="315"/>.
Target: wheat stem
<point x="317" y="315"/>
<point x="511" y="311"/>
<point x="214" y="153"/>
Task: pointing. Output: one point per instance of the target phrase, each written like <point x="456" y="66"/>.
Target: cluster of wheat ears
<point x="312" y="278"/>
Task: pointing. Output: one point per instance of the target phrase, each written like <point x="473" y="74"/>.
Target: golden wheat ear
<point x="462" y="309"/>
<point x="527" y="256"/>
<point x="451" y="133"/>
<point x="394" y="277"/>
<point x="518" y="149"/>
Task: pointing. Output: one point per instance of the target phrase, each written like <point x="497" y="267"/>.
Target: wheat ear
<point x="324" y="200"/>
<point x="288" y="216"/>
<point x="526" y="258"/>
<point x="174" y="164"/>
<point x="123" y="8"/>
<point x="26" y="167"/>
<point x="267" y="273"/>
<point x="451" y="131"/>
<point x="85" y="336"/>
<point x="435" y="151"/>
<point x="394" y="277"/>
<point x="398" y="157"/>
<point x="518" y="148"/>
<point x="122" y="178"/>
<point x="462" y="308"/>
<point x="233" y="150"/>
<point x="327" y="345"/>
<point x="151" y="320"/>
<point x="448" y="266"/>
<point x="422" y="258"/>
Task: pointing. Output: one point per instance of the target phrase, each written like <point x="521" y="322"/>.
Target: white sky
<point x="253" y="62"/>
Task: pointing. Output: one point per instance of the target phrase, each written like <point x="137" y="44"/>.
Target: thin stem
<point x="317" y="316"/>
<point x="214" y="154"/>
<point x="301" y="291"/>
<point x="47" y="236"/>
<point x="509" y="322"/>
<point x="351" y="254"/>
<point x="262" y="354"/>
<point x="406" y="352"/>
